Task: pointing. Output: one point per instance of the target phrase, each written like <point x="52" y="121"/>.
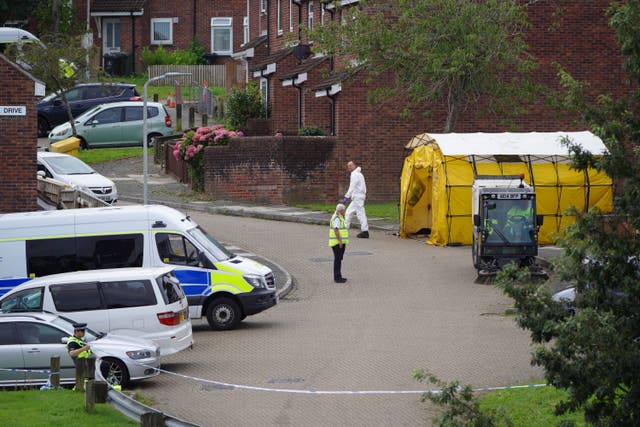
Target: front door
<point x="110" y="36"/>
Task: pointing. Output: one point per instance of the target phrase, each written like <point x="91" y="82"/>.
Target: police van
<point x="219" y="285"/>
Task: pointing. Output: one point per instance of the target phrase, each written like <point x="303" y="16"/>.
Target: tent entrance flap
<point x="437" y="176"/>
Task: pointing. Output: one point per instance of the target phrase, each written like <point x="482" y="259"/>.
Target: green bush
<point x="311" y="131"/>
<point x="190" y="56"/>
<point x="244" y="104"/>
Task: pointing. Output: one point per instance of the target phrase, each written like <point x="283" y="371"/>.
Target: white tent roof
<point x="531" y="143"/>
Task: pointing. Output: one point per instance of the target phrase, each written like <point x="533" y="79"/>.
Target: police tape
<point x="230" y="386"/>
<point x="36" y="371"/>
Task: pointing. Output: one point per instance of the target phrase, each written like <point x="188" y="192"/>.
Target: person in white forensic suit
<point x="357" y="193"/>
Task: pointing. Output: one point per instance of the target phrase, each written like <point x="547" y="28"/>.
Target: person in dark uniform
<point x="76" y="346"/>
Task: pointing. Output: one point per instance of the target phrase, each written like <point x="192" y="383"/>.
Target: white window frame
<point x="162" y="21"/>
<point x="222" y="22"/>
<point x="310" y="15"/>
<point x="263" y="6"/>
<point x="245" y="30"/>
<point x="279" y="17"/>
<point x="323" y="11"/>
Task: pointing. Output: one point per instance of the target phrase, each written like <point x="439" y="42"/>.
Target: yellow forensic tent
<point x="435" y="186"/>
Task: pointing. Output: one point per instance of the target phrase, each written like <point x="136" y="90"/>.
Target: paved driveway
<point x="406" y="305"/>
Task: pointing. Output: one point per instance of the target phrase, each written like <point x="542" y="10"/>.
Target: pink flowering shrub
<point x="191" y="149"/>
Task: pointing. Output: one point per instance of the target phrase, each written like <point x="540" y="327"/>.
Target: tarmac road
<point x="406" y="305"/>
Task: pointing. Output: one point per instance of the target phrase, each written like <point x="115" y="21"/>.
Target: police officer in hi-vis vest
<point x="76" y="346"/>
<point x="338" y="239"/>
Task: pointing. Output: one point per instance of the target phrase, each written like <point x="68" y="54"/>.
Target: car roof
<point x="12" y="34"/>
<point x="127" y="104"/>
<point x="104" y="274"/>
<point x="105" y="84"/>
<point x="41" y="315"/>
<point x="53" y="154"/>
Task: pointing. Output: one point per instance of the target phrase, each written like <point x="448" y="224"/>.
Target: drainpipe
<point x="133" y="44"/>
<point x="268" y="28"/>
<point x="195" y="3"/>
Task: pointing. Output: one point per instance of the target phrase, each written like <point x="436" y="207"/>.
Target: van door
<point x="80" y="302"/>
<point x="131" y="306"/>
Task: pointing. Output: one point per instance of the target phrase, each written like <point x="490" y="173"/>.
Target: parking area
<point x="342" y="354"/>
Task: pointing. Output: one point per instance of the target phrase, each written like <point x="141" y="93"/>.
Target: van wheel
<point x="223" y="314"/>
<point x="114" y="371"/>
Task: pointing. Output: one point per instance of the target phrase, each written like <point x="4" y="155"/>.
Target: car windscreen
<point x="68" y="165"/>
<point x="219" y="252"/>
<point x="67" y="324"/>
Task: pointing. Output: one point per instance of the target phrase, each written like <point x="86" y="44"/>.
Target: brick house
<point x="304" y="90"/>
<point x="127" y="26"/>
<point x="19" y="141"/>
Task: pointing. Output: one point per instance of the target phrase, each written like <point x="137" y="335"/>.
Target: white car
<point x="73" y="171"/>
<point x="29" y="340"/>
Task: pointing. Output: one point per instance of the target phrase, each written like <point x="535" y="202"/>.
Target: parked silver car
<point x="28" y="340"/>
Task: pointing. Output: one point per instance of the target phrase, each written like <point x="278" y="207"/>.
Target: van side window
<point x="175" y="249"/>
<point x="129" y="293"/>
<point x="27" y="300"/>
<point x="119" y="251"/>
<point x="76" y="297"/>
<point x="50" y="256"/>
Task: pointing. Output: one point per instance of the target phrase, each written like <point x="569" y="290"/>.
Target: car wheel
<point x="43" y="127"/>
<point x="223" y="314"/>
<point x="83" y="143"/>
<point x="114" y="371"/>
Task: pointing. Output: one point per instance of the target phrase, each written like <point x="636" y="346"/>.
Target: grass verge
<point x="529" y="407"/>
<point x="100" y="155"/>
<point x="26" y="408"/>
<point x="386" y="211"/>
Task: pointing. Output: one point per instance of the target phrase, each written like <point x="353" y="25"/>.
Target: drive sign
<point x="13" y="110"/>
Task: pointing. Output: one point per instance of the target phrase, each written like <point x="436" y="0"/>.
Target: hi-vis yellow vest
<point x="83" y="354"/>
<point x="344" y="232"/>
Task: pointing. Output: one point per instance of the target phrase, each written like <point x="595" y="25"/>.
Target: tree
<point x="457" y="51"/>
<point x="58" y="62"/>
<point x="595" y="354"/>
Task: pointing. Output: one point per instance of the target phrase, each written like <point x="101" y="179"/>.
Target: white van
<point x="219" y="285"/>
<point x="146" y="303"/>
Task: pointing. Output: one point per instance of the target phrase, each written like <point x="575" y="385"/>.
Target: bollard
<point x="80" y="374"/>
<point x="89" y="397"/>
<point x="55" y="367"/>
<point x="155" y="97"/>
<point x="101" y="390"/>
<point x="152" y="419"/>
<point x="204" y="120"/>
<point x="178" y="117"/>
<point x="192" y="117"/>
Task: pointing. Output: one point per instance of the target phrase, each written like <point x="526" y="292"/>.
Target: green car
<point x="116" y="124"/>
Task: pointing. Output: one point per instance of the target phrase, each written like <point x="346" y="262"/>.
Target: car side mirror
<point x="539" y="220"/>
<point x="94" y="122"/>
<point x="476" y="220"/>
<point x="57" y="102"/>
<point x="64" y="340"/>
<point x="41" y="174"/>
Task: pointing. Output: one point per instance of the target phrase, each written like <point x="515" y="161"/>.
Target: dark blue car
<point x="52" y="112"/>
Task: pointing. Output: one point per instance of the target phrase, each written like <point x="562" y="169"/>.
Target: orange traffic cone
<point x="172" y="101"/>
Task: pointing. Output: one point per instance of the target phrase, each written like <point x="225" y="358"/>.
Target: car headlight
<point x="139" y="354"/>
<point x="61" y="132"/>
<point x="255" y="280"/>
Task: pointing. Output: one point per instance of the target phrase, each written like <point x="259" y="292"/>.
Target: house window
<point x="291" y="16"/>
<point x="279" y="16"/>
<point x="323" y="10"/>
<point x="222" y="36"/>
<point x="264" y="90"/>
<point x="263" y="6"/>
<point x="310" y="15"/>
<point x="162" y="31"/>
<point x="245" y="30"/>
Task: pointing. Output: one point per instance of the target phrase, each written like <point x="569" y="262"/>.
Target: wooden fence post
<point x="152" y="419"/>
<point x="192" y="117"/>
<point x="55" y="367"/>
<point x="89" y="397"/>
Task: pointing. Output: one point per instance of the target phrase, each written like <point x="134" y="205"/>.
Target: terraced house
<point x="263" y="40"/>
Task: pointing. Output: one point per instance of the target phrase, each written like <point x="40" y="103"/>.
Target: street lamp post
<point x="145" y="142"/>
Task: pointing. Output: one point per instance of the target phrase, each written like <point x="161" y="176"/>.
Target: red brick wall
<point x="18" y="143"/>
<point x="273" y="170"/>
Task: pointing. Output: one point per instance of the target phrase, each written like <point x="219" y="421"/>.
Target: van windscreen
<point x="212" y="246"/>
